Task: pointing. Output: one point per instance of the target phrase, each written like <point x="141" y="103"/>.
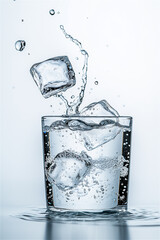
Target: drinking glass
<point x="86" y="162"/>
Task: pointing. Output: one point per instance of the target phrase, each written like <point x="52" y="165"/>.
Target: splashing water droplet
<point x="20" y="45"/>
<point x="52" y="12"/>
<point x="78" y="102"/>
<point x="62" y="27"/>
<point x="96" y="82"/>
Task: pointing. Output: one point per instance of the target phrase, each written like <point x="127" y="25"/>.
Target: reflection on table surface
<point x="17" y="229"/>
<point x="84" y="230"/>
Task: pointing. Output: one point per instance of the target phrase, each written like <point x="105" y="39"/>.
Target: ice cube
<point x="53" y="75"/>
<point x="68" y="169"/>
<point x="92" y="134"/>
<point x="101" y="108"/>
<point x="99" y="136"/>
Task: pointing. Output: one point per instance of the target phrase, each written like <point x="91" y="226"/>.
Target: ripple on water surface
<point x="133" y="217"/>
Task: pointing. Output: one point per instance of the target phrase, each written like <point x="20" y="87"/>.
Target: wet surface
<point x="40" y="227"/>
<point x="132" y="217"/>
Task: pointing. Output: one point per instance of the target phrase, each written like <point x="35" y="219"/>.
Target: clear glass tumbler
<point x="86" y="162"/>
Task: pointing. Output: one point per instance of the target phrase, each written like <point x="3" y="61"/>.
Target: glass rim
<point x="78" y="116"/>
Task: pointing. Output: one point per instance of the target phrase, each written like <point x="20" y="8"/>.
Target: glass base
<point x="119" y="208"/>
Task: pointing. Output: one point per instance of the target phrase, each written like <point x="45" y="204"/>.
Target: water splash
<point x="73" y="108"/>
<point x="120" y="217"/>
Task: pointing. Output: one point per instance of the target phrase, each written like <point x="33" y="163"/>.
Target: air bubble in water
<point x="20" y="45"/>
<point x="52" y="12"/>
<point x="96" y="82"/>
<point x="124" y="172"/>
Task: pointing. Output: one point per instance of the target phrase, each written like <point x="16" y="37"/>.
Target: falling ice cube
<point x="68" y="169"/>
<point x="101" y="108"/>
<point x="53" y="75"/>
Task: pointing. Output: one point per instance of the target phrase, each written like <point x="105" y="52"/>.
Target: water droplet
<point x="96" y="82"/>
<point x="72" y="96"/>
<point x="62" y="27"/>
<point x="22" y="20"/>
<point x="52" y="12"/>
<point x="20" y="45"/>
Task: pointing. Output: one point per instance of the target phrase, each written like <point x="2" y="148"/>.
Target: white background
<point x="123" y="42"/>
